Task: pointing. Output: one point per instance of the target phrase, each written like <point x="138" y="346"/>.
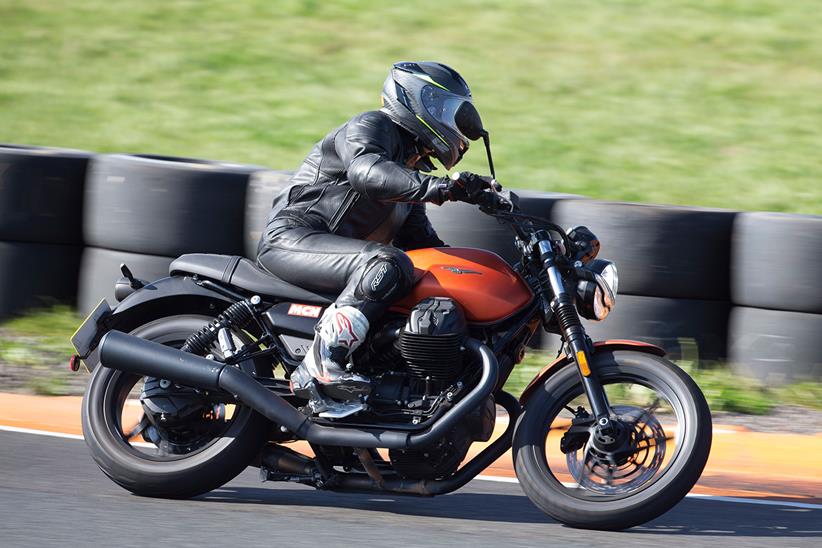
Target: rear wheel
<point x="663" y="443"/>
<point x="204" y="442"/>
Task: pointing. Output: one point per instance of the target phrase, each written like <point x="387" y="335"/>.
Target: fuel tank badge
<point x="456" y="270"/>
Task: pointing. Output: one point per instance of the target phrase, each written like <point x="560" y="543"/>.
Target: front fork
<point x="573" y="333"/>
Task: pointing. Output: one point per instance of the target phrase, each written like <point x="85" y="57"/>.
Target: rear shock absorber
<point x="236" y="316"/>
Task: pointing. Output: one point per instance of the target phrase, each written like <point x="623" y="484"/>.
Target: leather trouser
<point x="366" y="275"/>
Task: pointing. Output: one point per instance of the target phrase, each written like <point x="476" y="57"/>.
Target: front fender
<point x="599" y="347"/>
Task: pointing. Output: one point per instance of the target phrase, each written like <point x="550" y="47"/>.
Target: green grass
<point x="711" y="103"/>
<point x="35" y="338"/>
<point x="40" y="340"/>
<point x="724" y="390"/>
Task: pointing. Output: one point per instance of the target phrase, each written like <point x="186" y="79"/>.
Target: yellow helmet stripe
<point x="434" y="131"/>
<point x="430" y="80"/>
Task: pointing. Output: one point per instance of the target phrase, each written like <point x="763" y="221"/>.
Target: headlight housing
<point x="596" y="289"/>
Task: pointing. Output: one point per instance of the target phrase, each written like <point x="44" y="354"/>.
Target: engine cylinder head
<point x="431" y="341"/>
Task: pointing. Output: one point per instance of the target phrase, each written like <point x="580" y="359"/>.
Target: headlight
<point x="609" y="274"/>
<point x="596" y="297"/>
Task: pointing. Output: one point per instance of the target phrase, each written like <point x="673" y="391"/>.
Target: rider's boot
<point x="322" y="377"/>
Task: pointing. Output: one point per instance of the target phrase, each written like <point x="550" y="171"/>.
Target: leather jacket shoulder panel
<point x="352" y="180"/>
<point x="370" y="133"/>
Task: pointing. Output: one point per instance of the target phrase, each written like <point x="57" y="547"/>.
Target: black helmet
<point x="433" y="102"/>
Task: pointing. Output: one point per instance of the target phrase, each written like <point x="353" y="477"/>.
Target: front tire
<point x="177" y="476"/>
<point x="578" y="507"/>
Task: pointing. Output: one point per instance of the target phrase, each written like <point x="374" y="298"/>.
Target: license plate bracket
<point x="88" y="335"/>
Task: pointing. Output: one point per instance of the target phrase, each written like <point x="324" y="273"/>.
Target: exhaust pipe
<point x="279" y="459"/>
<point x="135" y="355"/>
<point x="283" y="460"/>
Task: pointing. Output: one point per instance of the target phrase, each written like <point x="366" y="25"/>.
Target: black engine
<point x="421" y="361"/>
<point x="431" y="340"/>
<point x="425" y="377"/>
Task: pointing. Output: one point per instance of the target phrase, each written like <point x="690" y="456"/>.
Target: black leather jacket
<point x="355" y="184"/>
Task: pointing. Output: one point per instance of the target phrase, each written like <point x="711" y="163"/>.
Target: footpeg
<point x="340" y="410"/>
<point x="319" y="396"/>
<point x="347" y="388"/>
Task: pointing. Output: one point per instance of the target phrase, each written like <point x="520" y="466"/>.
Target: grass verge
<point x="710" y="103"/>
<point x="724" y="390"/>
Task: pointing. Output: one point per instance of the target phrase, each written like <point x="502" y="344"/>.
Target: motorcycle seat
<point x="245" y="274"/>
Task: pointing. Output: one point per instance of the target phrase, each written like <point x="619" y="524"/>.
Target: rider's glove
<point x="493" y="202"/>
<point x="468" y="187"/>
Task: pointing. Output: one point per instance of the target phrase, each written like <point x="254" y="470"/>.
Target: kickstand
<point x="370" y="467"/>
<point x="324" y="467"/>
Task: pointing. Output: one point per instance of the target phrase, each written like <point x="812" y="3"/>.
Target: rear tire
<point x="618" y="512"/>
<point x="188" y="475"/>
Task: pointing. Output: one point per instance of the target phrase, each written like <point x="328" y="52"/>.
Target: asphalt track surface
<point x="51" y="493"/>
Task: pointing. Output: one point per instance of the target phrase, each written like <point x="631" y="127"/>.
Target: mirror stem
<point x="487" y="140"/>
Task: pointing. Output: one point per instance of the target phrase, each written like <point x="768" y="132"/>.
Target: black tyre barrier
<point x="34" y="275"/>
<point x="660" y="251"/>
<point x="691" y="330"/>
<point x="263" y="187"/>
<point x="775" y="346"/>
<point x="776" y="261"/>
<point x="41" y="194"/>
<point x="100" y="269"/>
<point x="165" y="206"/>
<point x="463" y="225"/>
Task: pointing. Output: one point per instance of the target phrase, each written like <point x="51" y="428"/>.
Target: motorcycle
<point x="190" y="384"/>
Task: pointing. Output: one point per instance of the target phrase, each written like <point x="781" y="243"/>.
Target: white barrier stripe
<point x="40" y="432"/>
<point x="498" y="479"/>
<point x="719" y="498"/>
<point x="18" y="430"/>
<point x="741" y="500"/>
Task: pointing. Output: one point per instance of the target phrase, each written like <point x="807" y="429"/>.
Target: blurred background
<point x="711" y="104"/>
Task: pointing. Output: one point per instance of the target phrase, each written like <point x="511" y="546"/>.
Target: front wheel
<point x="662" y="445"/>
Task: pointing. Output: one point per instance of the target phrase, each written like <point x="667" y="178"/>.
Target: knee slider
<point x="386" y="276"/>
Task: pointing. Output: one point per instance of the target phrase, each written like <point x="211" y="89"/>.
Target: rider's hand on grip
<point x="491" y="201"/>
<point x="469" y="187"/>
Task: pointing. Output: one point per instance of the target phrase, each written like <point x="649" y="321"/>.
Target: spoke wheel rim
<point x="584" y="490"/>
<point x="648" y="439"/>
<point x="116" y="396"/>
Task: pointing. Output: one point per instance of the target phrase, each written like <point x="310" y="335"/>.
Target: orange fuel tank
<point x="480" y="281"/>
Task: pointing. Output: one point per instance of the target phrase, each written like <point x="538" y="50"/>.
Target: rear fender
<point x="166" y="297"/>
<point x="599" y="347"/>
<point x="172" y="293"/>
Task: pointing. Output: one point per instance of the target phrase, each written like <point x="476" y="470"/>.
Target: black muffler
<point x="135" y="355"/>
<point x="139" y="356"/>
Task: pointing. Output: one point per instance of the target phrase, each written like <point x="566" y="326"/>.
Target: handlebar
<point x="504" y="206"/>
<point x="523" y="224"/>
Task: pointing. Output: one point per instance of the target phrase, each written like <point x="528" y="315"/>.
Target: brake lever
<point x="506" y="195"/>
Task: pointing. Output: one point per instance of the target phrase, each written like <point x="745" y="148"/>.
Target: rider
<point x="360" y="190"/>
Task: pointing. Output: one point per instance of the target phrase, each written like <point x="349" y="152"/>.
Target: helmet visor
<point x="443" y="107"/>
